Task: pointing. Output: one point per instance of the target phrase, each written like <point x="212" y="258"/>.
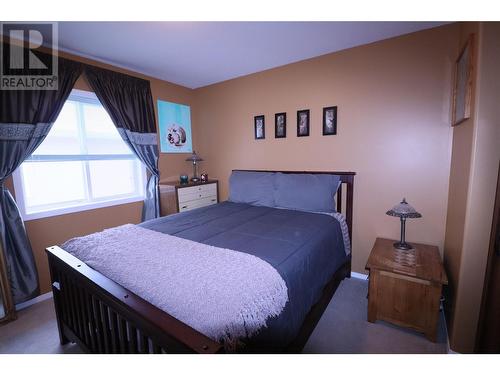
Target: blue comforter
<point x="305" y="248"/>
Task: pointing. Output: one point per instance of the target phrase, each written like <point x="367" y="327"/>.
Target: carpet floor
<point x="342" y="329"/>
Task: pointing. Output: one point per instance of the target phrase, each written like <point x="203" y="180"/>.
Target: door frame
<point x="482" y="326"/>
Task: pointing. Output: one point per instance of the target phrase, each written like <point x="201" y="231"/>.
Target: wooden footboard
<point x="103" y="317"/>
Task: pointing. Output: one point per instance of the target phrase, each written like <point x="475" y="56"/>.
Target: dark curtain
<point x="129" y="102"/>
<point x="26" y="117"/>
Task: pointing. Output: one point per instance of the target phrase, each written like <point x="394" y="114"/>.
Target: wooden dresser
<point x="177" y="197"/>
<point x="405" y="286"/>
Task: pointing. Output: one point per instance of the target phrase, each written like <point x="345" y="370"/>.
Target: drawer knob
<point x="184" y="206"/>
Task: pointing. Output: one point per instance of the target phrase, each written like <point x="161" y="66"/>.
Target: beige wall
<point x="468" y="234"/>
<point x="57" y="229"/>
<point x="393" y="101"/>
<point x="458" y="188"/>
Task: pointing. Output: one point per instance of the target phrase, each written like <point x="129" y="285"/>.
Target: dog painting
<point x="176" y="135"/>
<point x="175" y="127"/>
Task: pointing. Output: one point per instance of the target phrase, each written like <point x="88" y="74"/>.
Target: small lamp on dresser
<point x="195" y="159"/>
<point x="404" y="211"/>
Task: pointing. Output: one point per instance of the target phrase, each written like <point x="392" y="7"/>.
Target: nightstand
<point x="405" y="286"/>
<point x="177" y="197"/>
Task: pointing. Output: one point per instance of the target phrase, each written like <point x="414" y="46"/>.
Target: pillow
<point x="306" y="192"/>
<point x="256" y="188"/>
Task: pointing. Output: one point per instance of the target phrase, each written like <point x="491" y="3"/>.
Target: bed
<point x="102" y="316"/>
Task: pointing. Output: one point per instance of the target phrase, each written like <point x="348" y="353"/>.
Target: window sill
<point x="79" y="208"/>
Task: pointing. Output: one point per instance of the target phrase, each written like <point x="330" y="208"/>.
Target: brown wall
<point x="393" y="101"/>
<point x="57" y="229"/>
<point x="473" y="176"/>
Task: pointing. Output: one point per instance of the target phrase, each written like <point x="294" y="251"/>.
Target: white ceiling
<point x="196" y="54"/>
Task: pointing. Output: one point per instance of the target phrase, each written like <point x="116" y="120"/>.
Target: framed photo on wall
<point x="462" y="88"/>
<point x="280" y="125"/>
<point x="174" y="121"/>
<point x="259" y="127"/>
<point x="330" y="120"/>
<point x="303" y="123"/>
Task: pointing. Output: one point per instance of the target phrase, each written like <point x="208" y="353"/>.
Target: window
<point x="82" y="164"/>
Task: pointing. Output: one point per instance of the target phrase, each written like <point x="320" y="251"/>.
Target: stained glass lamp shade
<point x="194" y="158"/>
<point x="404" y="211"/>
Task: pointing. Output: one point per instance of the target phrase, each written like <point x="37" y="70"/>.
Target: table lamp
<point x="194" y="158"/>
<point x="404" y="211"/>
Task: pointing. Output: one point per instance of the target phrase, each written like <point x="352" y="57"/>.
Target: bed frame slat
<point x="132" y="339"/>
<point x="105" y="327"/>
<point x="78" y="311"/>
<point x="86" y="329"/>
<point x="122" y="329"/>
<point x="114" y="332"/>
<point x="98" y="325"/>
<point x="144" y="342"/>
<point x="92" y="339"/>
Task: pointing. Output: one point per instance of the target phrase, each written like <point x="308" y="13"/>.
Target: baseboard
<point x="358" y="275"/>
<point x="40" y="298"/>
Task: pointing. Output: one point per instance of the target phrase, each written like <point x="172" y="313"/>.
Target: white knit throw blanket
<point x="225" y="294"/>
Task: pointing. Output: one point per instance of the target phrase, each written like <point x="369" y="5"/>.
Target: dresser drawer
<point x="176" y="197"/>
<point x="196" y="192"/>
<point x="197" y="203"/>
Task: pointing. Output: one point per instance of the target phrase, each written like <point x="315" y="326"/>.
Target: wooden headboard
<point x="346" y="178"/>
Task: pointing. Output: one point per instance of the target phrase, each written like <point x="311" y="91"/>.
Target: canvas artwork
<point x="174" y="121"/>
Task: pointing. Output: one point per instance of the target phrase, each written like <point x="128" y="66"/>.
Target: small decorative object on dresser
<point x="175" y="197"/>
<point x="280" y="125"/>
<point x="259" y="127"/>
<point x="404" y="211"/>
<point x="183" y="179"/>
<point x="303" y="123"/>
<point x="195" y="159"/>
<point x="204" y="177"/>
<point x="405" y="286"/>
<point x="330" y="120"/>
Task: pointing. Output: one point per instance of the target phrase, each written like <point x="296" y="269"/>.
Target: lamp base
<point x="402" y="245"/>
<point x="195" y="179"/>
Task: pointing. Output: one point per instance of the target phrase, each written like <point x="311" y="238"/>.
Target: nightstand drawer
<point x="191" y="205"/>
<point x="196" y="192"/>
